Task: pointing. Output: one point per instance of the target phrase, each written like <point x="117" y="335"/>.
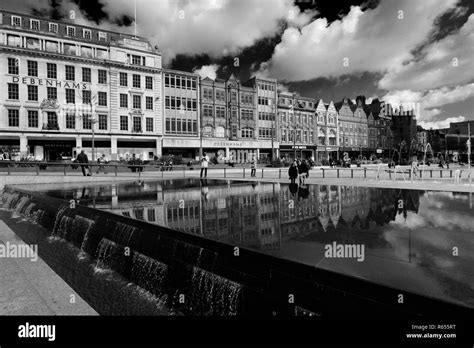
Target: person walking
<point x="83" y="159"/>
<point x="204" y="164"/>
<point x="303" y="171"/>
<point x="293" y="172"/>
<point x="101" y="160"/>
<point x="253" y="165"/>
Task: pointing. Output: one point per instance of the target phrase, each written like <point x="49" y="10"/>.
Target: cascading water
<point x="29" y="208"/>
<point x="123" y="233"/>
<point x="58" y="220"/>
<point x="21" y="204"/>
<point x="106" y="254"/>
<point x="149" y="273"/>
<point x="214" y="295"/>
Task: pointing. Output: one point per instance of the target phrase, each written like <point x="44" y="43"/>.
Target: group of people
<point x="83" y="161"/>
<point x="299" y="169"/>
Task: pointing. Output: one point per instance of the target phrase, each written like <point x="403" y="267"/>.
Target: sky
<point x="413" y="52"/>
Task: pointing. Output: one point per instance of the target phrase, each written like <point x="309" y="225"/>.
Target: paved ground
<point x="33" y="288"/>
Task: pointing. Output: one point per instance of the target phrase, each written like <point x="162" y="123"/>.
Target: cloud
<point x="447" y="62"/>
<point x="441" y="123"/>
<point x="375" y="40"/>
<point x="207" y="71"/>
<point x="213" y="27"/>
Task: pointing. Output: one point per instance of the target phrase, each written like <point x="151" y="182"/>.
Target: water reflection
<point x="409" y="235"/>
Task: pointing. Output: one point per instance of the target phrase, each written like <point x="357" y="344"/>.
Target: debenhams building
<point x="62" y="84"/>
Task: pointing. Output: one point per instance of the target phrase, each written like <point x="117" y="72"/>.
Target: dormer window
<point x="70" y="31"/>
<point x="35" y="24"/>
<point x="102" y="36"/>
<point x="86" y="34"/>
<point x="53" y="27"/>
<point x="16" y="21"/>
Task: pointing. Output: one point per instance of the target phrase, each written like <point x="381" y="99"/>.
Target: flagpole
<point x="469" y="149"/>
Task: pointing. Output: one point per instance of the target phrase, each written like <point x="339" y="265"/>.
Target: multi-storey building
<point x="297" y="126"/>
<point x="362" y="131"/>
<point x="405" y="136"/>
<point x="181" y="113"/>
<point x="327" y="130"/>
<point x="64" y="84"/>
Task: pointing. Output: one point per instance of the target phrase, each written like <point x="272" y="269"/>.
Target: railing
<point x="221" y="171"/>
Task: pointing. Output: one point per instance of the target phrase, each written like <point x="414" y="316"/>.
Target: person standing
<point x="253" y="165"/>
<point x="204" y="164"/>
<point x="101" y="160"/>
<point x="83" y="159"/>
<point x="293" y="172"/>
<point x="303" y="171"/>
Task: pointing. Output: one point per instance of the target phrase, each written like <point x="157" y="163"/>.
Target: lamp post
<point x="469" y="148"/>
<point x="402" y="145"/>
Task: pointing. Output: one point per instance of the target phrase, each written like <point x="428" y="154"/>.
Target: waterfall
<point x="62" y="227"/>
<point x="11" y="200"/>
<point x="37" y="216"/>
<point x="59" y="221"/>
<point x="106" y="254"/>
<point x="29" y="208"/>
<point x="123" y="233"/>
<point x="214" y="295"/>
<point x="83" y="224"/>
<point x="149" y="273"/>
<point x="21" y="204"/>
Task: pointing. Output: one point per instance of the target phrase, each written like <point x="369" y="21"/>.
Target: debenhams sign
<point x="49" y="82"/>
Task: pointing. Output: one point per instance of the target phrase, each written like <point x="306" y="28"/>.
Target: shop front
<point x="302" y="152"/>
<point x="51" y="150"/>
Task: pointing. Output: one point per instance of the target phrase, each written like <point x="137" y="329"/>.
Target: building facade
<point x="65" y="86"/>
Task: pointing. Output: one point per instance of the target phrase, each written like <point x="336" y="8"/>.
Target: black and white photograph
<point x="236" y="171"/>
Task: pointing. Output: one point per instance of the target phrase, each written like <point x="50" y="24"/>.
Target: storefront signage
<point x="298" y="147"/>
<point x="48" y="82"/>
<point x="228" y="144"/>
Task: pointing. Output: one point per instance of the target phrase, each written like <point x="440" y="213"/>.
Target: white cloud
<point x="447" y="62"/>
<point x="213" y="27"/>
<point x="441" y="123"/>
<point x="375" y="40"/>
<point x="207" y="71"/>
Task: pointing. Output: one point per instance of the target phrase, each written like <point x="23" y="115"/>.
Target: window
<point x="70" y="121"/>
<point x="149" y="124"/>
<point x="70" y="31"/>
<point x="102" y="76"/>
<point x="123" y="100"/>
<point x="13" y="66"/>
<point x="220" y="111"/>
<point x="86" y="97"/>
<point x="149" y="103"/>
<point x="86" y="121"/>
<point x="51" y="92"/>
<point x="14" y="40"/>
<point x="283" y="135"/>
<point x="86" y="75"/>
<point x="167" y="81"/>
<point x="137" y="102"/>
<point x="233" y="97"/>
<point x="136" y="81"/>
<point x="207" y="93"/>
<point x="16" y="21"/>
<point x="102" y="36"/>
<point x="137" y="124"/>
<point x="101" y="54"/>
<point x="53" y="27"/>
<point x="32" y="93"/>
<point x="247" y="133"/>
<point x="207" y="111"/>
<point x="33" y="119"/>
<point x="247" y="114"/>
<point x="136" y="60"/>
<point x="123" y="79"/>
<point x="13" y="118"/>
<point x="52" y="118"/>
<point x="33" y="43"/>
<point x="70" y="49"/>
<point x="35" y="24"/>
<point x="86" y="34"/>
<point x="51" y="71"/>
<point x="32" y="68"/>
<point x="86" y="51"/>
<point x="194" y="88"/>
<point x="70" y="73"/>
<point x="124" y="123"/>
<point x="102" y="98"/>
<point x="149" y="82"/>
<point x="102" y="122"/>
<point x="13" y="91"/>
<point x="70" y="96"/>
<point x="220" y="95"/>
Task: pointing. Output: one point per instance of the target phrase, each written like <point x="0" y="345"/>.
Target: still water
<point x="417" y="241"/>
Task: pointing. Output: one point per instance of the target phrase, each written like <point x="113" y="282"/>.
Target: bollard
<point x="365" y="172"/>
<point x="440" y="173"/>
<point x="243" y="169"/>
<point x="450" y="173"/>
<point x="262" y="173"/>
<point x="431" y="173"/>
<point x="352" y="173"/>
<point x="279" y="173"/>
<point x="8" y="168"/>
<point x="225" y="176"/>
<point x="184" y="172"/>
<point x="337" y="172"/>
<point x="323" y="173"/>
<point x="115" y="170"/>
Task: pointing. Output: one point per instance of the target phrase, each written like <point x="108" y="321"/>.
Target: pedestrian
<point x="293" y="172"/>
<point x="253" y="165"/>
<point x="101" y="161"/>
<point x="204" y="164"/>
<point x="82" y="158"/>
<point x="303" y="171"/>
<point x="414" y="168"/>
